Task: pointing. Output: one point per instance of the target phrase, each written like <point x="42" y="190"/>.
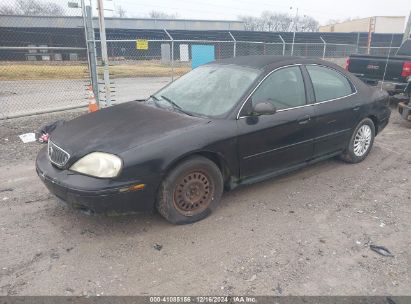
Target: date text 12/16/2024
<point x="203" y="299"/>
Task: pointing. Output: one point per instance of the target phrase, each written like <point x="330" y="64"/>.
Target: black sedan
<point x="224" y="124"/>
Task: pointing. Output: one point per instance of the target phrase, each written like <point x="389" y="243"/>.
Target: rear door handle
<point x="304" y="119"/>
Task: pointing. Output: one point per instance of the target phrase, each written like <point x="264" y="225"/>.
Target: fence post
<point x="234" y="46"/>
<point x="407" y="30"/>
<point x="91" y="52"/>
<point x="172" y="60"/>
<point x="171" y="54"/>
<point x="283" y="44"/>
<point x="292" y="46"/>
<point x="357" y="49"/>
<point x="325" y="46"/>
<point x="104" y="56"/>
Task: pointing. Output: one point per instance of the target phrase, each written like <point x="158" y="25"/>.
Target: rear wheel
<point x="191" y="191"/>
<point x="360" y="143"/>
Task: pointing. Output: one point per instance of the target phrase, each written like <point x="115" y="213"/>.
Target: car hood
<point x="119" y="128"/>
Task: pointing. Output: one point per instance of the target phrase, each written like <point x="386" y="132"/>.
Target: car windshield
<point x="210" y="90"/>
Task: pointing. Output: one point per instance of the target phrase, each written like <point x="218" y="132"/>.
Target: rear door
<point x="337" y="109"/>
<point x="275" y="142"/>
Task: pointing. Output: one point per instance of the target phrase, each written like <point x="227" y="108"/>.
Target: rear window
<point x="328" y="83"/>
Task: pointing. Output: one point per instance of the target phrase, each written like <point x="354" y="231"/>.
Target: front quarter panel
<point x="150" y="162"/>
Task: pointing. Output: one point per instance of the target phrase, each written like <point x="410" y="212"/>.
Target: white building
<point x="375" y="24"/>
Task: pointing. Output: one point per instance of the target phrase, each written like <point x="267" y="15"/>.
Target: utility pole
<point x="104" y="56"/>
<point x="371" y="30"/>
<point x="91" y="50"/>
<point x="90" y="43"/>
<point x="407" y="29"/>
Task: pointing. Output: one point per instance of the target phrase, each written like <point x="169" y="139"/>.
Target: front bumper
<point x="405" y="110"/>
<point x="93" y="194"/>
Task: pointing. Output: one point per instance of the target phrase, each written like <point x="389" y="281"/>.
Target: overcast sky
<point x="229" y="9"/>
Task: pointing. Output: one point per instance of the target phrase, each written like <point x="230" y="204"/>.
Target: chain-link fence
<point x="43" y="60"/>
<point x="45" y="66"/>
<point x="137" y="73"/>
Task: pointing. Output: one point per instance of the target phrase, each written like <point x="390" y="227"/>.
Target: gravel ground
<point x="306" y="233"/>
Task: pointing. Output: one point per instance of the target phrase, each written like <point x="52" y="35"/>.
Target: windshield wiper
<point x="155" y="99"/>
<point x="175" y="106"/>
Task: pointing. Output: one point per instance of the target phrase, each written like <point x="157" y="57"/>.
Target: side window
<point x="283" y="88"/>
<point x="328" y="84"/>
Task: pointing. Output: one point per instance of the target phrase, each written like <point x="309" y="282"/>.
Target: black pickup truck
<point x="392" y="74"/>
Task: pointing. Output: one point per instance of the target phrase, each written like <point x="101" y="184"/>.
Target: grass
<point x="40" y="72"/>
<point x="24" y="71"/>
<point x="146" y="69"/>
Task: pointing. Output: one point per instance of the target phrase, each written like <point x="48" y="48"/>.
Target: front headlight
<point x="98" y="164"/>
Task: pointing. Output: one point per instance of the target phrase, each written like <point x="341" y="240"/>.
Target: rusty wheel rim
<point x="193" y="193"/>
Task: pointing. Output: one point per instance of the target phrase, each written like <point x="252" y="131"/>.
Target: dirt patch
<point x="12" y="149"/>
<point x="306" y="233"/>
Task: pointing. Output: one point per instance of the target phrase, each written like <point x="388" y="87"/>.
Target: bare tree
<point x="120" y="12"/>
<point x="270" y="22"/>
<point x="306" y="24"/>
<point x="161" y="15"/>
<point x="53" y="9"/>
<point x="8" y="10"/>
<point x="32" y="8"/>
<point x="250" y="23"/>
<point x="275" y="22"/>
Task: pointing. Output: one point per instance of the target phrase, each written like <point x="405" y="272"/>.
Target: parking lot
<point x="306" y="233"/>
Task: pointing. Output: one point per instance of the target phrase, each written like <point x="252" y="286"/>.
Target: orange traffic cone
<point x="92" y="104"/>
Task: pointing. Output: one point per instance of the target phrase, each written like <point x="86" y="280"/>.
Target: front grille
<point x="57" y="155"/>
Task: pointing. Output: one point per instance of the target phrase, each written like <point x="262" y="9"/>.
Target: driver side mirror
<point x="264" y="108"/>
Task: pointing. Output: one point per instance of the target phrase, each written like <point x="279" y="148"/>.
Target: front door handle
<point x="304" y="119"/>
<point x="356" y="107"/>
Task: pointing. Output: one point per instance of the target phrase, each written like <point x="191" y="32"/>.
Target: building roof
<point x="120" y="23"/>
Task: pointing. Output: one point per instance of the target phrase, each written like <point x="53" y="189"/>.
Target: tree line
<point x="277" y="22"/>
<point x="266" y="22"/>
<point x="32" y="8"/>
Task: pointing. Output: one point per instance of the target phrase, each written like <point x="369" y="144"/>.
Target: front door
<point x="269" y="143"/>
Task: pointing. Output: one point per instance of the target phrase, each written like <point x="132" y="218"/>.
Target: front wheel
<point x="360" y="143"/>
<point x="191" y="191"/>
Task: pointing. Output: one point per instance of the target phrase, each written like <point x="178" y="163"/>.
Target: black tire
<point x="190" y="191"/>
<point x="349" y="155"/>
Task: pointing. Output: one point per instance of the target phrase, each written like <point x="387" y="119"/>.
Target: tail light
<point x="347" y="64"/>
<point x="406" y="69"/>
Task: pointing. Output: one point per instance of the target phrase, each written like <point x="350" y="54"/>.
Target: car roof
<point x="265" y="61"/>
